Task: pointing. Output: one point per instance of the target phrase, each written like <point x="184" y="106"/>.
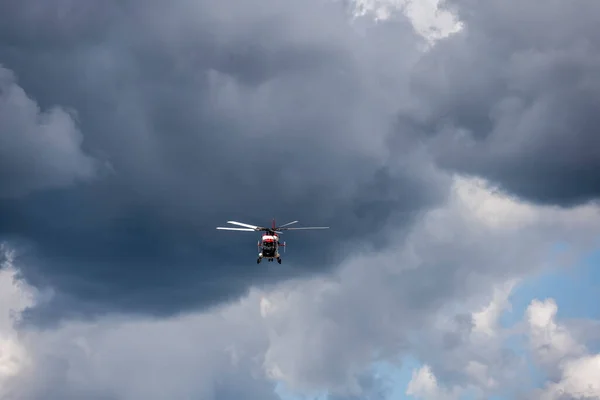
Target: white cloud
<point x="15" y="296"/>
<point x="199" y="355"/>
<point x="424" y="385"/>
<point x="579" y="380"/>
<point x="486" y="320"/>
<point x="468" y="350"/>
<point x="574" y="372"/>
<point x="551" y="343"/>
<point x="428" y="17"/>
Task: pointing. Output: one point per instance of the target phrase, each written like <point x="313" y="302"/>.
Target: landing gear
<point x="259" y="259"/>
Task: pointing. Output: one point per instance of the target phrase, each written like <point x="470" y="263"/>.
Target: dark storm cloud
<point x="202" y="112"/>
<point x="514" y="97"/>
<point x="37" y="150"/>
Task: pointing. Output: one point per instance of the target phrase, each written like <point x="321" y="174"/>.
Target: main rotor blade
<point x="235" y="229"/>
<point x="306" y="227"/>
<point x="289" y="223"/>
<point x="244" y="225"/>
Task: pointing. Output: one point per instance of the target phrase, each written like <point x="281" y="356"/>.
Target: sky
<point x="451" y="148"/>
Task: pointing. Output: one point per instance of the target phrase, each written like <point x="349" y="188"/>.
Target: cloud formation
<point x="552" y="346"/>
<point x="207" y="111"/>
<point x="572" y="370"/>
<point x="322" y="334"/>
<point x="512" y="96"/>
<point x="205" y="116"/>
<point x="38" y="150"/>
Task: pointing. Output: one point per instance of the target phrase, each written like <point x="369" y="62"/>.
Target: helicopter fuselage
<point x="269" y="248"/>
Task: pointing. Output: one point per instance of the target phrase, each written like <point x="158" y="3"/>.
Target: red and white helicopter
<point x="269" y="244"/>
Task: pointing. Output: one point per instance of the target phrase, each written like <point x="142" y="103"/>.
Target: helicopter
<point x="269" y="244"/>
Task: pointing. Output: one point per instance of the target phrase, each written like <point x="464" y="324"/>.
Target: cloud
<point x="465" y="352"/>
<point x="428" y="18"/>
<point x="208" y="355"/>
<point x="551" y="342"/>
<point x="245" y="113"/>
<point x="208" y="112"/>
<point x="511" y="97"/>
<point x="572" y="370"/>
<point x="14" y="298"/>
<point x="38" y="150"/>
<point x="323" y="334"/>
<point x="579" y="380"/>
